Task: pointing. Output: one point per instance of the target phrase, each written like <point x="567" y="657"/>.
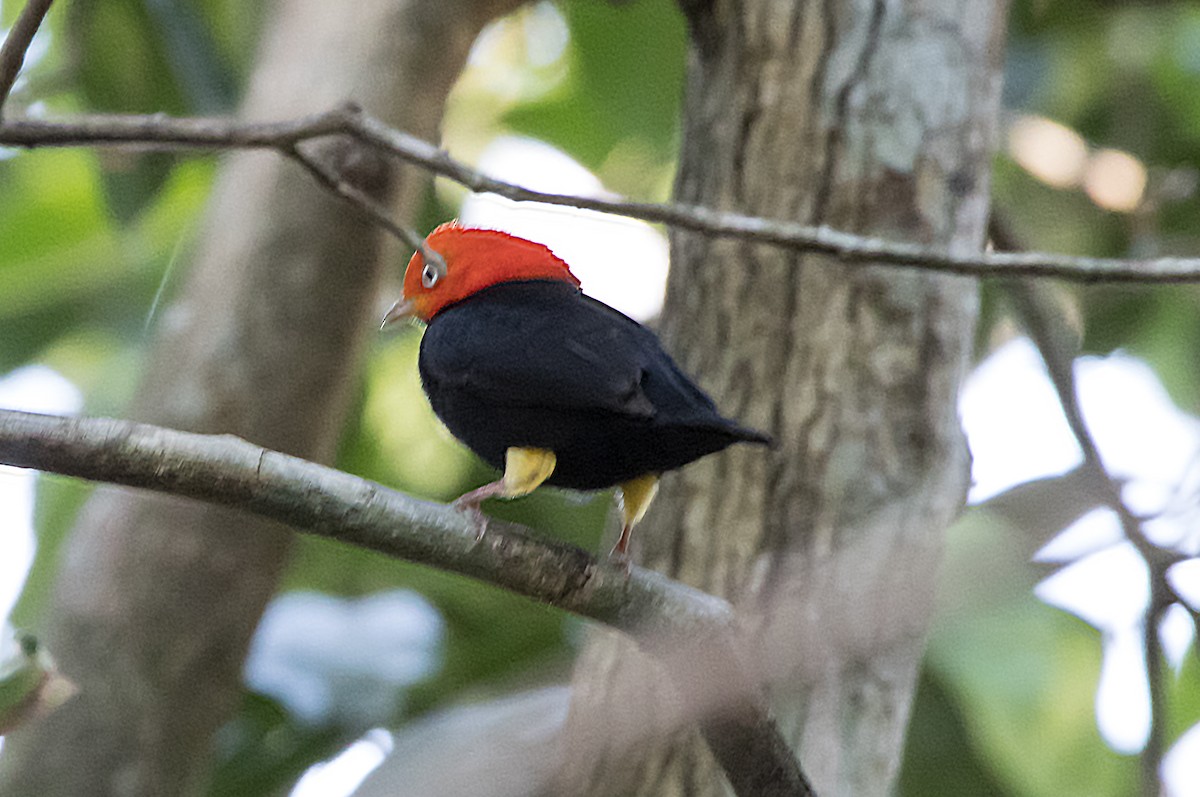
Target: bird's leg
<point x="469" y="503"/>
<point x="524" y="470"/>
<point x="636" y="495"/>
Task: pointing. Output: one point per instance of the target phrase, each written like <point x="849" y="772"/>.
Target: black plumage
<point x="539" y="364"/>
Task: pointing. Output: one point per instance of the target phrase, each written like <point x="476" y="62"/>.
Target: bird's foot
<point x="478" y="519"/>
<point x="620" y="558"/>
<point x="469" y="503"/>
<point x="619" y="555"/>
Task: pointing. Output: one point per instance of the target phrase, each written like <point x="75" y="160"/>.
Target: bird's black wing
<point x="542" y="344"/>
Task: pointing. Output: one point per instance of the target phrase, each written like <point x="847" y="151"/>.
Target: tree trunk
<point x="870" y="116"/>
<point x="157" y="598"/>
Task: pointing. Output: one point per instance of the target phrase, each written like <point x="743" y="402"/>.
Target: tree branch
<point x="12" y="53"/>
<point x="1053" y="342"/>
<point x="197" y="133"/>
<point x="226" y="470"/>
<point x="334" y="181"/>
<point x="1059" y="348"/>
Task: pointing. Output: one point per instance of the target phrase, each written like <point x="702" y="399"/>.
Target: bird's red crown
<point x="475" y="259"/>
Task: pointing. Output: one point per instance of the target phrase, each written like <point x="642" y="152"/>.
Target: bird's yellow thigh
<point x="525" y="469"/>
<point x="636" y="495"/>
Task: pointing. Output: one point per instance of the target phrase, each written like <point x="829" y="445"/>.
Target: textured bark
<point x="876" y="117"/>
<point x="156" y="599"/>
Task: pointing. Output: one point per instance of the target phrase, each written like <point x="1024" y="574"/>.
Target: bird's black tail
<point x="744" y="434"/>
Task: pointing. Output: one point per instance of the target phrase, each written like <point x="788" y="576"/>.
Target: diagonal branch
<point x="1054" y="343"/>
<point x="227" y="470"/>
<point x="161" y="132"/>
<point x="333" y="180"/>
<point x="1058" y="348"/>
<point x="12" y="53"/>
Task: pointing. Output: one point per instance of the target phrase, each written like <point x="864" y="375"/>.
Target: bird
<point x="545" y="383"/>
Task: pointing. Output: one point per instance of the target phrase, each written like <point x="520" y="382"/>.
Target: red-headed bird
<point x="546" y="383"/>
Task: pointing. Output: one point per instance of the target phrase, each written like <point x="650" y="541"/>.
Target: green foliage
<point x="131" y="56"/>
<point x="1125" y="76"/>
<point x="58" y="503"/>
<point x="941" y="757"/>
<point x="91" y="243"/>
<point x="262" y="750"/>
<point x="1183" y="696"/>
<point x="30" y="684"/>
<point x="617" y="109"/>
<point x="20" y="677"/>
<point x="1015" y="678"/>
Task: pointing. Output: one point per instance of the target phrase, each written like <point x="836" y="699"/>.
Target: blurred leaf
<point x="67" y="268"/>
<point x="624" y="82"/>
<point x="201" y="76"/>
<point x="1051" y="219"/>
<point x="57" y="503"/>
<point x="1035" y="511"/>
<point x="940" y="757"/>
<point x="1175" y="72"/>
<point x="1156" y="324"/>
<point x="233" y="28"/>
<point x="21" y="677"/>
<point x="261" y="750"/>
<point x="399" y="440"/>
<point x="30" y="685"/>
<point x="1183" y="695"/>
<point x="144" y="56"/>
<point x="1022" y="675"/>
<point x="119" y="58"/>
<point x="131" y="179"/>
<point x="49" y="200"/>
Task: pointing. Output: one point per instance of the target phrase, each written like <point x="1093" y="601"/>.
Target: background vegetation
<point x="89" y="242"/>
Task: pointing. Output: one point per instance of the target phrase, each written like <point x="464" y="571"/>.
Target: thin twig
<point x="1055" y="343"/>
<point x="225" y="470"/>
<point x="1059" y="347"/>
<point x="165" y="132"/>
<point x="1151" y="757"/>
<point x="159" y="131"/>
<point x="12" y="53"/>
<point x="354" y="195"/>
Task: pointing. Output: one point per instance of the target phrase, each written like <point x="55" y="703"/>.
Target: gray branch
<point x="161" y="132"/>
<point x="12" y="53"/>
<point x="1058" y="347"/>
<point x="226" y="470"/>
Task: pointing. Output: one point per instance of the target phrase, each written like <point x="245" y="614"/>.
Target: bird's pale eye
<point x="429" y="276"/>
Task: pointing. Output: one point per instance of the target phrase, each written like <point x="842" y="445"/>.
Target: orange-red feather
<point x="477" y="259"/>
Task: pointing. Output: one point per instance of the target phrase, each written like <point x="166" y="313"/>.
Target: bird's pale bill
<point x="399" y="311"/>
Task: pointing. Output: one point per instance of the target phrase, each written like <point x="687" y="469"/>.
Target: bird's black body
<point x="537" y="364"/>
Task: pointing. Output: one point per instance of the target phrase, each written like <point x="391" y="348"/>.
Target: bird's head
<point x="474" y="259"/>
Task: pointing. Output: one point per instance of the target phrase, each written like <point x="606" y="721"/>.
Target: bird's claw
<point x="479" y="519"/>
<point x="469" y="503"/>
<point x="619" y="557"/>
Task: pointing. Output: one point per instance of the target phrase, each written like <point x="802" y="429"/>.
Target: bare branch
<point x="12" y="53"/>
<point x="1058" y="347"/>
<point x="1055" y="344"/>
<point x="165" y="132"/>
<point x="159" y="131"/>
<point x="227" y="470"/>
<point x="355" y="196"/>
